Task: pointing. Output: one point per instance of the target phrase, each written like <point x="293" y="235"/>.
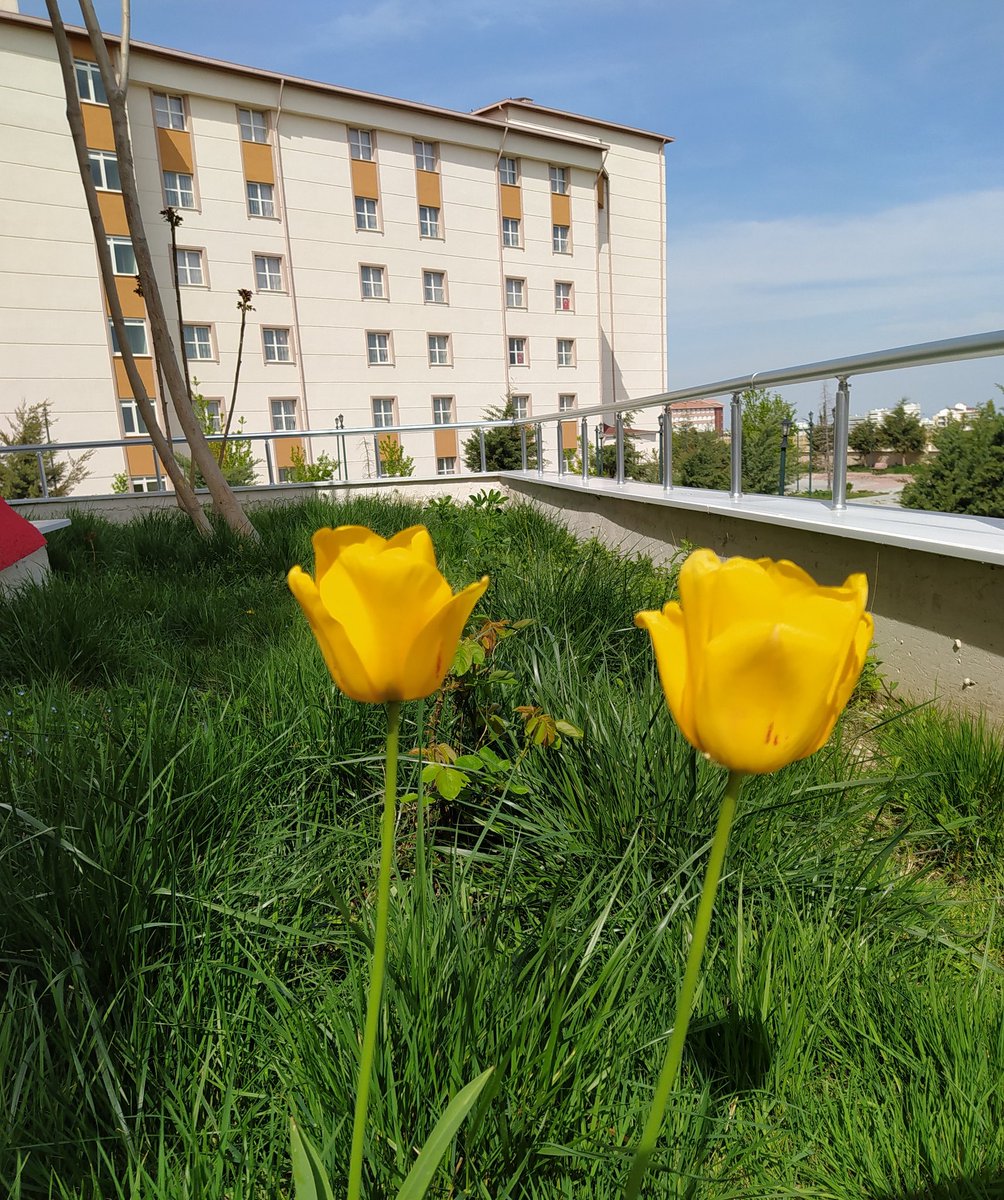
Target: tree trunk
<point x="185" y="494"/>
<point x="224" y="500"/>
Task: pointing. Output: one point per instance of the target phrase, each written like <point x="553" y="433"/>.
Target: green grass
<point x="189" y="842"/>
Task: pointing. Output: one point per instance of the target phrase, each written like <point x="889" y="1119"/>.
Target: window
<point x="446" y="466"/>
<point x="559" y="180"/>
<point x="145" y="483"/>
<point x="520" y="407"/>
<point x="179" y="191"/>
<point x="560" y="243"/>
<point x="566" y="403"/>
<point x="254" y="125"/>
<point x="105" y="170"/>
<point x="168" y="111"/>
<point x="268" y="273"/>
<point x="276" y="345"/>
<point x="190" y="273"/>
<point x="261" y="200"/>
<point x="442" y="410"/>
<point x="371" y="281"/>
<point x="123" y="258"/>
<point x="509" y="171"/>
<point x="366" y="213"/>
<point x="518" y="356"/>
<point x="213" y="410"/>
<point x="428" y="221"/>
<point x="89" y="85"/>
<point x="434" y="287"/>
<point x="515" y="293"/>
<point x="510" y="232"/>
<point x="426" y="158"/>
<point x="439" y="349"/>
<point x="562" y="297"/>
<point x="383" y="412"/>
<point x="132" y="418"/>
<point x="198" y="342"/>
<point x="135" y="331"/>
<point x="378" y="349"/>
<point x="566" y="352"/>
<point x="361" y="144"/>
<point x="283" y="415"/>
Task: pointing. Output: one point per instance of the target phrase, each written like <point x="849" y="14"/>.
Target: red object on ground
<point x="18" y="537"/>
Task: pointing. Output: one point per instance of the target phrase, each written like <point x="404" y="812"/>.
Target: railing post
<point x="561" y="452"/>
<point x="841" y="416"/>
<point x="160" y="477"/>
<point x="736" y="485"/>
<point x="584" y="446"/>
<point x="41" y="475"/>
<point x="376" y="455"/>
<point x="619" y="435"/>
<point x="599" y="447"/>
<point x="666" y="434"/>
<point x="540" y="448"/>
<point x="481" y="449"/>
<point x="268" y="462"/>
<point x="522" y="447"/>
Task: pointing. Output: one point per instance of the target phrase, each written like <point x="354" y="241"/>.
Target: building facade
<point x="409" y="264"/>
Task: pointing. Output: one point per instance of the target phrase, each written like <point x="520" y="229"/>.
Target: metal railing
<point x="982" y="345"/>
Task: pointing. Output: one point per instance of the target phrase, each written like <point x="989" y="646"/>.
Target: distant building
<point x="958" y="412"/>
<point x="706" y="416"/>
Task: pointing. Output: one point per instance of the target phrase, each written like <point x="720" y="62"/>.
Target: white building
<point x="958" y="412"/>
<point x="410" y="264"/>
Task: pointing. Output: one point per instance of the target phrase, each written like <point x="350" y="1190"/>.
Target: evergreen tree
<point x="503" y="448"/>
<point x="902" y="432"/>
<point x="19" y="477"/>
<point x="762" y="418"/>
<point x="966" y="475"/>
<point x="701" y="459"/>
<point x="866" y="438"/>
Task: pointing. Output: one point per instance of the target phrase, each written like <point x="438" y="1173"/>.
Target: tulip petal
<point x="329" y="543"/>
<point x="342" y="661"/>
<point x="767" y="695"/>
<point x="788" y="576"/>
<point x="436" y="643"/>
<point x="415" y="539"/>
<point x="669" y="644"/>
<point x="698" y="580"/>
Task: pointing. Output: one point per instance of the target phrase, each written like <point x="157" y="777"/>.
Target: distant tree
<point x="866" y="438"/>
<point x="701" y="459"/>
<point x="762" y="418"/>
<point x="320" y="470"/>
<point x="902" y="432"/>
<point x="393" y="460"/>
<point x="19" y="477"/>
<point x="503" y="448"/>
<point x="966" y="474"/>
<point x="239" y="461"/>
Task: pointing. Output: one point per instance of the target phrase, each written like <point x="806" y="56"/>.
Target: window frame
<point x="128" y="405"/>
<point x="561" y="243"/>
<point x="198" y="343"/>
<point x="94" y="82"/>
<point x="437" y="416"/>
<point x="429" y="287"/>
<point x="384" y="293"/>
<point x="440" y="355"/>
<point x="101" y="159"/>
<point x="558" y="179"/>
<point x="379" y="421"/>
<point x="429" y="152"/>
<point x="116" y="243"/>
<point x="573" y="396"/>
<point x="569" y="300"/>
<point x="179" y="190"/>
<point x="362" y="144"/>
<point x="362" y="211"/>
<point x="565" y="352"/>
<point x="169" y="112"/>
<point x="519" y="355"/>
<point x="145" y="482"/>
<point x="267" y="276"/>
<point x="515" y="293"/>
<point x="430" y="227"/>
<point x="445" y="470"/>
<point x="275" y="345"/>
<point x="379" y="354"/>
<point x="279" y="415"/>
<point x="187" y="268"/>
<point x="131" y="323"/>
<point x="213" y="418"/>
<point x="253" y="126"/>
<point x="259" y="200"/>
<point x="508" y="174"/>
<point x="510" y="230"/>
<point x="525" y="398"/>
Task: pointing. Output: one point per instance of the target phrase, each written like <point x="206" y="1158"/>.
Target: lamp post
<point x="810" y="453"/>
<point x="785" y="430"/>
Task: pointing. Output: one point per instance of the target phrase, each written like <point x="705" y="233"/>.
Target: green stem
<point x="685" y="1002"/>
<point x="379" y="955"/>
<point x="420" y="864"/>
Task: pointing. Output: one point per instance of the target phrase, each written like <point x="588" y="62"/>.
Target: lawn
<point x="188" y="859"/>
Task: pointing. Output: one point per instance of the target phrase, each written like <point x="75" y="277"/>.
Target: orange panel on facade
<point x="258" y="166"/>
<point x="561" y="209"/>
<point x="446" y="443"/>
<point x="123" y="388"/>
<point x="112" y="208"/>
<point x="132" y="305"/>
<point x="284" y="448"/>
<point x="569" y="435"/>
<point x="511" y="200"/>
<point x="81" y="46"/>
<point x="98" y="126"/>
<point x="364" y="179"/>
<point x="175" y="146"/>
<point x="139" y="460"/>
<point x="427" y="186"/>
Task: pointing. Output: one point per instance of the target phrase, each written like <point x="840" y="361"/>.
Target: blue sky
<point x="837" y="181"/>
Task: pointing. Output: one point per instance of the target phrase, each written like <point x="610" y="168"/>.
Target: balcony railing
<point x="842" y="370"/>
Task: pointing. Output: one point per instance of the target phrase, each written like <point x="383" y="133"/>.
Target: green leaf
<point x="463" y="659"/>
<point x="569" y="730"/>
<point x="310" y="1180"/>
<point x="431" y="1155"/>
<point x="450" y="783"/>
<point x="470" y="762"/>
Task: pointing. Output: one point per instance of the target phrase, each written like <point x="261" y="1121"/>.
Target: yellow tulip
<point x="757" y="660"/>
<point x="385" y="619"/>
